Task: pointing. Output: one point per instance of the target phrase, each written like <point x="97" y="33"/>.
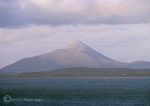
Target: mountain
<point x="76" y="54"/>
<point x="139" y="65"/>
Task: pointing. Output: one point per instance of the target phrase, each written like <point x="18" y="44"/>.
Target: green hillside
<point x="87" y="72"/>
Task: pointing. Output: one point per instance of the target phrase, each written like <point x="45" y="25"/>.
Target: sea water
<point x="75" y="92"/>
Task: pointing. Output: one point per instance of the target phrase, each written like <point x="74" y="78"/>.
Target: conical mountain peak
<point x="76" y="54"/>
<point x="78" y="45"/>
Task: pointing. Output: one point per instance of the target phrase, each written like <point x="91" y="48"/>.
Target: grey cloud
<point x="18" y="13"/>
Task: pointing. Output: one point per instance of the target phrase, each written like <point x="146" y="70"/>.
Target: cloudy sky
<point x="119" y="29"/>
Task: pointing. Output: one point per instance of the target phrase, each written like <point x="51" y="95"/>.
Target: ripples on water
<point x="78" y="92"/>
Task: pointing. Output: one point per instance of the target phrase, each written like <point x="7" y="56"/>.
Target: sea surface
<point x="75" y="92"/>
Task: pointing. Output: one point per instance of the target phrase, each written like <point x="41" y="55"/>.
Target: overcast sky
<point x="119" y="29"/>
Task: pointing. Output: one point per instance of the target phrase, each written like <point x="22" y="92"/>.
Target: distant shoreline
<point x="80" y="73"/>
<point x="74" y="78"/>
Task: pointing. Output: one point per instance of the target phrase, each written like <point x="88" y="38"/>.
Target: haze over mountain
<point x="76" y="54"/>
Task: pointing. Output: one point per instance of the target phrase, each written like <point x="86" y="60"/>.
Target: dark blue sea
<point x="75" y="92"/>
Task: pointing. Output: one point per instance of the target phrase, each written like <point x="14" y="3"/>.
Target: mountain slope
<point x="77" y="54"/>
<point x="139" y="65"/>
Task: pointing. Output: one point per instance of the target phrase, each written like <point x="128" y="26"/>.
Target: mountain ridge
<point x="76" y="54"/>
